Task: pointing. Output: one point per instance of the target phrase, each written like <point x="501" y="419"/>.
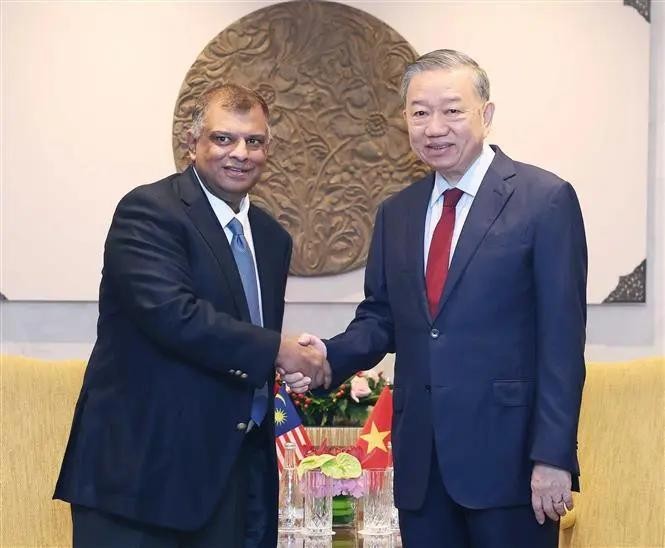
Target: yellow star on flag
<point x="375" y="439"/>
<point x="280" y="417"/>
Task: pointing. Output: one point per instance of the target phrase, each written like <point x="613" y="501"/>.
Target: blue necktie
<point x="245" y="263"/>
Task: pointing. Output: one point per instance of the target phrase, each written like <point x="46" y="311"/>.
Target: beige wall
<point x="88" y="91"/>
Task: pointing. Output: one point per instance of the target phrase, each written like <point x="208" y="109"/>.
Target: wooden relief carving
<point x="330" y="74"/>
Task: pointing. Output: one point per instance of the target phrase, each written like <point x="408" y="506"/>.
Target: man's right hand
<point x="294" y="357"/>
<point x="307" y="339"/>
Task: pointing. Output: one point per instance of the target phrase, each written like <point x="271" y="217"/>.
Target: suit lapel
<point x="201" y="214"/>
<point x="494" y="192"/>
<point x="267" y="258"/>
<point x="415" y="238"/>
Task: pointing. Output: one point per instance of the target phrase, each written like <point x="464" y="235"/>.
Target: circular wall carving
<point x="330" y="74"/>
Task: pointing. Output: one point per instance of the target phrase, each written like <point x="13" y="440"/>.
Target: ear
<point x="488" y="114"/>
<point x="191" y="146"/>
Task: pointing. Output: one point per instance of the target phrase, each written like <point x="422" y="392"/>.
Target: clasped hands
<point x="302" y="363"/>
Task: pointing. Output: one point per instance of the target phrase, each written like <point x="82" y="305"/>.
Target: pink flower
<point x="359" y="388"/>
<point x="352" y="486"/>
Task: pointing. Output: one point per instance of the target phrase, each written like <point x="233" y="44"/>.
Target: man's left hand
<point x="550" y="492"/>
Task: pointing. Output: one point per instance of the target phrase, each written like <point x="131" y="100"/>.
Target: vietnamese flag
<point x="375" y="435"/>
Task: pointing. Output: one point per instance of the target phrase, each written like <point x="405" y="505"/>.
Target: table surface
<point x="343" y="538"/>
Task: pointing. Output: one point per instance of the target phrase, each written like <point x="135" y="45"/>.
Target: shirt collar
<point x="470" y="181"/>
<point x="222" y="210"/>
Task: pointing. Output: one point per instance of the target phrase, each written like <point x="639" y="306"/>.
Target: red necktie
<point x="439" y="250"/>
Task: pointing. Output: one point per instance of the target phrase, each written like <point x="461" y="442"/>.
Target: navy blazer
<point x="155" y="433"/>
<point x="495" y="378"/>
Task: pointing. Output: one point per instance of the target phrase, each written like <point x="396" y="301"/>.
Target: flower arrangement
<point x="341" y="464"/>
<point x="349" y="405"/>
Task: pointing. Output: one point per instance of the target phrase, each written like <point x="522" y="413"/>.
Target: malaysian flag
<point x="288" y="427"/>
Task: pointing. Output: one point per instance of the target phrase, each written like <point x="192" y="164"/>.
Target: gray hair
<point x="229" y="96"/>
<point x="446" y="59"/>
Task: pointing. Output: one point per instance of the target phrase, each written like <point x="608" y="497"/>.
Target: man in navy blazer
<point x="172" y="441"/>
<point x="485" y="308"/>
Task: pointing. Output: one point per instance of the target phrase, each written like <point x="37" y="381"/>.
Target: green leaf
<point x="313" y="462"/>
<point x="343" y="466"/>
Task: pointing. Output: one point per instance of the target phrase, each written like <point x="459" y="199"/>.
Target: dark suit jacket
<point x="495" y="378"/>
<point x="176" y="360"/>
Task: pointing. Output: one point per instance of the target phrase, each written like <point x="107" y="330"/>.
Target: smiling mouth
<point x="439" y="146"/>
<point x="237" y="170"/>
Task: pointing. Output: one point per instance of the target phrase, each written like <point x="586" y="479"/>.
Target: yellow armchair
<point x="622" y="458"/>
<point x="37" y="404"/>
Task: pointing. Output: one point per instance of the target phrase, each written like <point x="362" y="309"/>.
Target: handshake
<point x="302" y="363"/>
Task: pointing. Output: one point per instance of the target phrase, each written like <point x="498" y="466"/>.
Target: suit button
<point x="243" y="376"/>
<point x="238" y="372"/>
<point x="241" y="426"/>
<point x="428" y="387"/>
<point x="232" y="371"/>
<point x="434" y="333"/>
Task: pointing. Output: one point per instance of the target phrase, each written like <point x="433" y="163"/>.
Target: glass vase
<point x="377" y="506"/>
<point x="317" y="488"/>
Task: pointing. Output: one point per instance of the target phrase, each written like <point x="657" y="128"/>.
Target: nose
<point x="437" y="125"/>
<point x="239" y="152"/>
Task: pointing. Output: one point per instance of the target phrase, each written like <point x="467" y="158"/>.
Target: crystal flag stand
<point x="390" y="472"/>
<point x="290" y="496"/>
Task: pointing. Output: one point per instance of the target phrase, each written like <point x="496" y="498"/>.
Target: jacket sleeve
<point x="146" y="262"/>
<point x="560" y="272"/>
<point x="370" y="335"/>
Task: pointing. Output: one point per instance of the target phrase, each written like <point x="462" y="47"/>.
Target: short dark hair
<point x="228" y="96"/>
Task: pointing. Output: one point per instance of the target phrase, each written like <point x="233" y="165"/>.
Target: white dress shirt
<point x="469" y="183"/>
<point x="225" y="215"/>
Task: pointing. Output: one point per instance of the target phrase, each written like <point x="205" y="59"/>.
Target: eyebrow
<point x="450" y="99"/>
<point x="231" y="134"/>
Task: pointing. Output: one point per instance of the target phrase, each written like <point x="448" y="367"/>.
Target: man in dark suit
<point x="476" y="279"/>
<point x="172" y="442"/>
